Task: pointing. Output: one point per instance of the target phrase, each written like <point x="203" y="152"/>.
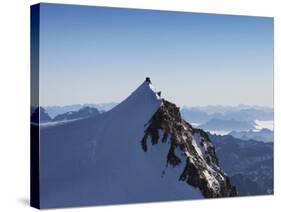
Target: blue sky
<point x="95" y="55"/>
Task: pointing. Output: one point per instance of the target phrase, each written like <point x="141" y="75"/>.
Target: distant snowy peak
<point x="227" y="125"/>
<point x="264" y="135"/>
<point x="54" y="111"/>
<point x="82" y="113"/>
<point x="189" y="146"/>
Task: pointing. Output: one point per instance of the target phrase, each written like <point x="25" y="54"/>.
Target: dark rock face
<point x="197" y="151"/>
<point x="264" y="135"/>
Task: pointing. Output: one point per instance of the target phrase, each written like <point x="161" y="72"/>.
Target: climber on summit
<point x="147" y="79"/>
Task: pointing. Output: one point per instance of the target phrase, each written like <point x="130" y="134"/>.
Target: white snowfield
<point x="100" y="160"/>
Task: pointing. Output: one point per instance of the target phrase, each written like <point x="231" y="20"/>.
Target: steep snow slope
<point x="99" y="160"/>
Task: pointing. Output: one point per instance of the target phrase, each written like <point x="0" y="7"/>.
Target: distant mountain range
<point x="227" y="118"/>
<point x="227" y="125"/>
<point x="57" y="110"/>
<point x="201" y="115"/>
<point x="193" y="114"/>
<point x="248" y="163"/>
<point x="210" y="109"/>
<point x="82" y="113"/>
<point x="264" y="135"/>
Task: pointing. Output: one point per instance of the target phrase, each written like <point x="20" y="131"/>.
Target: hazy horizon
<point x="98" y="54"/>
<point x="188" y="106"/>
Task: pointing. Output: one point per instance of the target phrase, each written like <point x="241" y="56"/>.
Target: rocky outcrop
<point x="189" y="146"/>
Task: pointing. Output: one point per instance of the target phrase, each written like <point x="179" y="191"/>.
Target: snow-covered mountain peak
<point x="146" y="90"/>
<point x="140" y="151"/>
<point x="145" y="97"/>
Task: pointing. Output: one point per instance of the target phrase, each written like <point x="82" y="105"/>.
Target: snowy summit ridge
<point x="145" y="95"/>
